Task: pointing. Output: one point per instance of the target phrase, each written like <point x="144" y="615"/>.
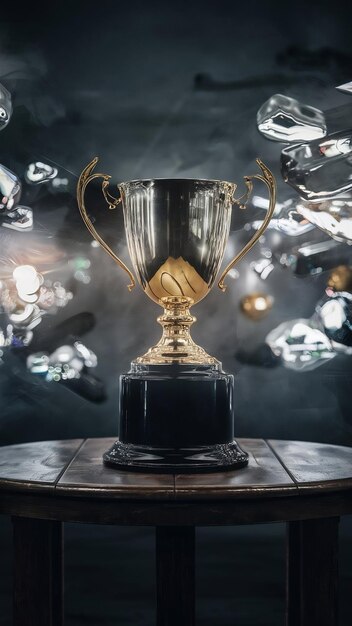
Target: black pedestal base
<point x="219" y="457"/>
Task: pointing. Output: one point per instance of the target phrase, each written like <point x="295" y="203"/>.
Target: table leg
<point x="175" y="570"/>
<point x="312" y="572"/>
<point x="38" y="572"/>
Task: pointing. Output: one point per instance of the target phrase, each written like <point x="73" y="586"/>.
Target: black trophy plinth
<point x="176" y="418"/>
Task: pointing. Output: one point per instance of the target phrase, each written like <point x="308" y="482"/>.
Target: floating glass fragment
<point x="286" y="218"/>
<point x="282" y="118"/>
<point x="346" y="87"/>
<point x="334" y="312"/>
<point x="5" y="107"/>
<point x="14" y="337"/>
<point x="320" y="169"/>
<point x="263" y="267"/>
<point x="65" y="363"/>
<point x="58" y="183"/>
<point x="38" y="173"/>
<point x="38" y="363"/>
<point x="315" y="257"/>
<point x="334" y="216"/>
<point x="20" y="219"/>
<point x="300" y="344"/>
<point x="10" y="189"/>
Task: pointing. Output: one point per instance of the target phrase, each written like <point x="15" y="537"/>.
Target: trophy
<point x="176" y="402"/>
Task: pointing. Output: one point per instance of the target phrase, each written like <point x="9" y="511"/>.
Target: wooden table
<point x="307" y="485"/>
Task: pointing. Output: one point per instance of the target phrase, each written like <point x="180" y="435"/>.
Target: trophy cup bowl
<point x="176" y="403"/>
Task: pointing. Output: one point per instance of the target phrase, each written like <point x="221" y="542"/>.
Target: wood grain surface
<point x="263" y="476"/>
<point x="315" y="465"/>
<point x="88" y="475"/>
<point x="35" y="466"/>
<point x="74" y="468"/>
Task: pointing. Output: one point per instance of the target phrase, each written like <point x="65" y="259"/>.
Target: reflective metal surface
<point x="177" y="231"/>
<point x="320" y="169"/>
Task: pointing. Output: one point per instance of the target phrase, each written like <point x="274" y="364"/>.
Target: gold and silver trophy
<point x="176" y="402"/>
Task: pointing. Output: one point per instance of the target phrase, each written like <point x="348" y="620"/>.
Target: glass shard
<point x="20" y="219"/>
<point x="10" y="189"/>
<point x="300" y="344"/>
<point x="346" y="87"/>
<point x="5" y="107"/>
<point x="334" y="313"/>
<point x="38" y="173"/>
<point x="320" y="169"/>
<point x="333" y="216"/>
<point x="315" y="257"/>
<point x="282" y="118"/>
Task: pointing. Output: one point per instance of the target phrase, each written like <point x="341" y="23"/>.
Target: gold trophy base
<point x="176" y="344"/>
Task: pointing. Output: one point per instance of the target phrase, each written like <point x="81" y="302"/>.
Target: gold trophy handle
<point x="85" y="178"/>
<point x="269" y="181"/>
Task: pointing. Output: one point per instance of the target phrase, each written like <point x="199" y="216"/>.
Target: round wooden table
<point x="307" y="485"/>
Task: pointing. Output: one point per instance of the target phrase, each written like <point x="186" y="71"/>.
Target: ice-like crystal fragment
<point x="58" y="183"/>
<point x="38" y="363"/>
<point x="315" y="257"/>
<point x="38" y="173"/>
<point x="346" y="87"/>
<point x="300" y="344"/>
<point x="282" y="118"/>
<point x="5" y="107"/>
<point x="20" y="219"/>
<point x="334" y="312"/>
<point x="16" y="338"/>
<point x="65" y="363"/>
<point x="286" y="218"/>
<point x="263" y="267"/>
<point x="320" y="169"/>
<point x="10" y="189"/>
<point x="333" y="216"/>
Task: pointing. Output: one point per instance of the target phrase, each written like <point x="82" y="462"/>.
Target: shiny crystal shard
<point x="300" y="344"/>
<point x="334" y="312"/>
<point x="286" y="218"/>
<point x="320" y="169"/>
<point x="315" y="257"/>
<point x="346" y="87"/>
<point x="285" y="119"/>
<point x="333" y="216"/>
<point x="5" y="107"/>
<point x="20" y="219"/>
<point x="263" y="267"/>
<point x="65" y="363"/>
<point x="10" y="189"/>
<point x="38" y="173"/>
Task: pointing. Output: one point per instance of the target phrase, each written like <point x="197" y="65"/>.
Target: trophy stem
<point x="176" y="344"/>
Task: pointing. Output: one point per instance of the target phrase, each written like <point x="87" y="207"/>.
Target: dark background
<point x="165" y="90"/>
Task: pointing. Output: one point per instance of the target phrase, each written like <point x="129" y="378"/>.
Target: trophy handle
<point x="85" y="178"/>
<point x="269" y="181"/>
